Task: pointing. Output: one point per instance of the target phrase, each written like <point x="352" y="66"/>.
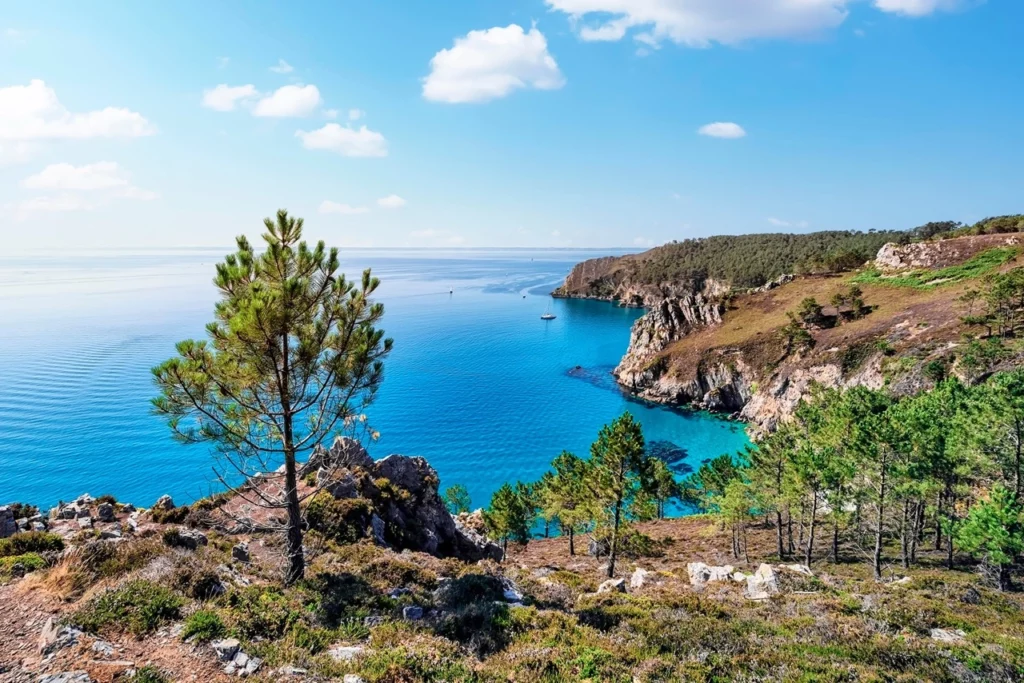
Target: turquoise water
<point x="477" y="383"/>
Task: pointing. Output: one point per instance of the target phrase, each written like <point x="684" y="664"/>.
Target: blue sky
<point x="584" y="123"/>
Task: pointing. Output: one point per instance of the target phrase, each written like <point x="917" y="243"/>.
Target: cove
<point x="477" y="383"/>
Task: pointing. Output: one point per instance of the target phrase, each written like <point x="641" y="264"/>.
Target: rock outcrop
<point x="941" y="253"/>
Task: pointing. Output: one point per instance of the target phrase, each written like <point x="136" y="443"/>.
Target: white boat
<point x="548" y="316"/>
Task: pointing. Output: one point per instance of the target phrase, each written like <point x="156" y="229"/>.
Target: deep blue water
<point x="476" y="383"/>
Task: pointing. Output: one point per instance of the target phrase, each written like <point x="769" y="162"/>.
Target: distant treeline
<point x="751" y="260"/>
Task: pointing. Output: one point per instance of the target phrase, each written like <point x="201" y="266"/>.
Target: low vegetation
<point x="977" y="266"/>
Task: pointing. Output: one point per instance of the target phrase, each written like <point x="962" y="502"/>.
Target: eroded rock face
<point x="414" y="517"/>
<point x="939" y="254"/>
<point x="344" y="453"/>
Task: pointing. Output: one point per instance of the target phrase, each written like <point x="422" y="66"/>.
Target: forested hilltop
<point x="827" y="310"/>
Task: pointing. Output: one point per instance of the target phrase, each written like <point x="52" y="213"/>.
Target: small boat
<point x="548" y="316"/>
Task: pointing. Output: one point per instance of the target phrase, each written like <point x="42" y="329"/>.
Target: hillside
<point x="714" y="345"/>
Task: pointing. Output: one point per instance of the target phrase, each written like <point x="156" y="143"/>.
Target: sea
<point x="477" y="383"/>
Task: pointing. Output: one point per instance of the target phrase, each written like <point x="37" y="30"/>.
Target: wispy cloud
<point x="392" y="201"/>
<point x="723" y="129"/>
<point x="779" y="223"/>
<point x="349" y="142"/>
<point x="282" y="67"/>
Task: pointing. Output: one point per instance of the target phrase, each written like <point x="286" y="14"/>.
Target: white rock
<point x="345" y="653"/>
<point x="701" y="573"/>
<point x="226" y="649"/>
<point x="799" y="569"/>
<point x="947" y="635"/>
<point x="638" y="579"/>
<point x="763" y="583"/>
<point x="612" y="586"/>
<point x="353" y="678"/>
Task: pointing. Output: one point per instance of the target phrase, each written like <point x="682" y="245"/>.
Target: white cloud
<point x="349" y="142"/>
<point x="779" y="223"/>
<point x="328" y="206"/>
<point x="355" y="114"/>
<point x="484" y="65"/>
<point x="289" y="100"/>
<point x="226" y="97"/>
<point x="392" y="201"/>
<point x="79" y="188"/>
<point x="33" y="112"/>
<point x="918" y="8"/>
<point x="331" y="113"/>
<point x="698" y="23"/>
<point x="722" y="129"/>
<point x="282" y="67"/>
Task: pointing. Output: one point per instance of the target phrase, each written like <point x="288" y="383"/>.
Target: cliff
<point x="710" y="345"/>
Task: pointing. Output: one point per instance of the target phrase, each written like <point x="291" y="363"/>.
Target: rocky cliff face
<point x="610" y="279"/>
<point x="940" y="254"/>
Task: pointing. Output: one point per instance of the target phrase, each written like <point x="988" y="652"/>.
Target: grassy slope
<point x="929" y="312"/>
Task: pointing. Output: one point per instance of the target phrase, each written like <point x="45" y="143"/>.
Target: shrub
<point x="482" y="627"/>
<point x="197" y="578"/>
<point x="173" y="516"/>
<point x="21" y="510"/>
<point x="149" y="674"/>
<point x="203" y="626"/>
<point x="471" y="588"/>
<point x="138" y="607"/>
<point x="106" y="498"/>
<point x="30" y="542"/>
<point x="263" y="612"/>
<point x="342" y="521"/>
<point x="29" y="562"/>
<point x="308" y="639"/>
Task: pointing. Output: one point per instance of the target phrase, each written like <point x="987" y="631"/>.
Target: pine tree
<point x="565" y="496"/>
<point x="994" y="531"/>
<point x="293" y="357"/>
<point x="509" y="516"/>
<point x="457" y="500"/>
<point x="615" y="474"/>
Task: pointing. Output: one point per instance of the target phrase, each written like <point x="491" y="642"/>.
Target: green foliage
<point x="457" y="500"/>
<point x="752" y="260"/>
<point x="511" y="513"/>
<point x="30" y="542"/>
<point x="341" y="520"/>
<point x="293" y="356"/>
<point x="149" y="674"/>
<point x="263" y="611"/>
<point x="203" y="626"/>
<point x="23" y="510"/>
<point x="994" y="530"/>
<point x="176" y="515"/>
<point x="29" y="562"/>
<point x="706" y="487"/>
<point x="138" y="607"/>
<point x="977" y="266"/>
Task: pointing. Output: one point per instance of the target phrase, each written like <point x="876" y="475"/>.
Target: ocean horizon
<point x="477" y="383"/>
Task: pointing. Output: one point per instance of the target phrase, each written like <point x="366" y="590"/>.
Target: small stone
<point x="84" y="499"/>
<point x="701" y="573"/>
<point x="241" y="659"/>
<point x="398" y="592"/>
<point x="56" y="636"/>
<point x="85" y="522"/>
<point x="128" y="507"/>
<point x="108" y="534"/>
<point x="240" y="552"/>
<point x="226" y="649"/>
<point x="799" y="569"/>
<point x="612" y="586"/>
<point x="353" y="678"/>
<point x="253" y="665"/>
<point x="38" y="526"/>
<point x="68" y="677"/>
<point x="102" y="647"/>
<point x="345" y="653"/>
<point x="164" y="502"/>
<point x="290" y="670"/>
<point x="81" y="511"/>
<point x="412" y="613"/>
<point x="763" y="583"/>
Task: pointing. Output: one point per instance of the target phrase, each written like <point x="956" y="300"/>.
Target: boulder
<point x="108" y="534"/>
<point x="612" y="586"/>
<point x="105" y="511"/>
<point x="418" y="519"/>
<point x="344" y="453"/>
<point x="799" y="569"/>
<point x="639" y="579"/>
<point x="190" y="538"/>
<point x="82" y="511"/>
<point x="701" y="573"/>
<point x="226" y="649"/>
<point x="412" y="613"/>
<point x="763" y="583"/>
<point x="103" y="648"/>
<point x="84" y="500"/>
<point x="971" y="596"/>
<point x="598" y="548"/>
<point x="85" y="522"/>
<point x="8" y="525"/>
<point x="56" y="636"/>
<point x="164" y="503"/>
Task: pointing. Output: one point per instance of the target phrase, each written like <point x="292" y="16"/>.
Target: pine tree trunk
<point x="296" y="560"/>
<point x="789" y="529"/>
<point x="780" y="551"/>
<point x="938" y="521"/>
<point x="835" y="540"/>
<point x="810" y="532"/>
<point x="615" y="539"/>
<point x="904" y="535"/>
<point x="572" y="541"/>
<point x="876" y="560"/>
